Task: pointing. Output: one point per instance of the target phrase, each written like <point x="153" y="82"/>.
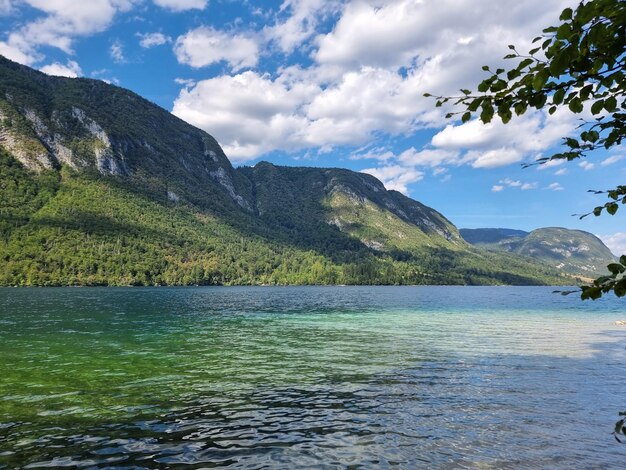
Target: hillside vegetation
<point x="572" y="251"/>
<point x="101" y="187"/>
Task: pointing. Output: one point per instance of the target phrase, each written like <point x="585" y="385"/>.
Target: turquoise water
<point x="308" y="377"/>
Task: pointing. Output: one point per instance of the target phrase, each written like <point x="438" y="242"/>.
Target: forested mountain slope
<point x="572" y="251"/>
<point x="101" y="187"/>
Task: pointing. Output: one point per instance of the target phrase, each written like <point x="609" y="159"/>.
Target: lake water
<point x="309" y="377"/>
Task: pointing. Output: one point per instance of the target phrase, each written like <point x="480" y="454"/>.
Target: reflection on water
<point x="304" y="377"/>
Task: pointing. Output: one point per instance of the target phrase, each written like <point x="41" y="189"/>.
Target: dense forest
<point x="101" y="187"/>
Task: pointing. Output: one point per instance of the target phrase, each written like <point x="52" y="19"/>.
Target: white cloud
<point x="561" y="172"/>
<point x="379" y="154"/>
<point x="611" y="160"/>
<point x="71" y="69"/>
<point x="369" y="74"/>
<point x="549" y="163"/>
<point x="394" y="33"/>
<point x="182" y="5"/>
<point x="205" y="46"/>
<point x="555" y="187"/>
<point x="511" y="183"/>
<point x="149" y="40"/>
<point x="493" y="158"/>
<point x="249" y="114"/>
<point x="429" y="157"/>
<point x="5" y="7"/>
<point x="396" y="177"/>
<point x="361" y="103"/>
<point x="508" y="182"/>
<point x="186" y="82"/>
<point x="497" y="144"/>
<point x="64" y="20"/>
<point x="116" y="51"/>
<point x="615" y="242"/>
<point x="301" y="24"/>
<point x="19" y="51"/>
<point x="586" y="165"/>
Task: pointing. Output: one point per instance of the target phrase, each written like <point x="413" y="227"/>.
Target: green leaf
<point x="597" y="107"/>
<point x="520" y="107"/>
<point x="575" y="105"/>
<point x="498" y="85"/>
<point x="610" y="104"/>
<point x="559" y="63"/>
<point x="473" y="106"/>
<point x="466" y="117"/>
<point x="564" y="31"/>
<point x="540" y="79"/>
<point x="611" y="208"/>
<point x="558" y="96"/>
<point x="616" y="268"/>
<point x="487" y="113"/>
<point x="566" y="14"/>
<point x="524" y="63"/>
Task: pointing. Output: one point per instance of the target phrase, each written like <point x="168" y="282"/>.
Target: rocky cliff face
<point x="88" y="125"/>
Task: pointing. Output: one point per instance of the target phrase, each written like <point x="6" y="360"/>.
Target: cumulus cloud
<point x="249" y="114"/>
<point x="586" y="165"/>
<point x="395" y="176"/>
<point x="561" y="172"/>
<point x="205" y="46"/>
<point x="301" y="22"/>
<point x="371" y="70"/>
<point x="496" y="188"/>
<point x="182" y="5"/>
<point x="63" y="21"/>
<point x="615" y="242"/>
<point x="349" y="112"/>
<point x="497" y="144"/>
<point x="71" y="69"/>
<point x="555" y="187"/>
<point x="149" y="40"/>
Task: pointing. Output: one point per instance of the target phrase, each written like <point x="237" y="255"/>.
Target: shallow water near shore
<point x="286" y="377"/>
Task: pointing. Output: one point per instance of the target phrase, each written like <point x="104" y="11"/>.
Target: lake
<point x="309" y="377"/>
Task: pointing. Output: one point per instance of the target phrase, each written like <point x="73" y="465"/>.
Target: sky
<point x="339" y="83"/>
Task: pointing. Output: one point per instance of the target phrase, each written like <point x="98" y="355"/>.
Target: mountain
<point x="489" y="236"/>
<point x="101" y="187"/>
<point x="572" y="251"/>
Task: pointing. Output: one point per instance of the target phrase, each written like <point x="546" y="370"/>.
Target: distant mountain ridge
<point x="101" y="187"/>
<point x="573" y="251"/>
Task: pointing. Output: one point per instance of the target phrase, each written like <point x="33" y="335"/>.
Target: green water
<point x="309" y="377"/>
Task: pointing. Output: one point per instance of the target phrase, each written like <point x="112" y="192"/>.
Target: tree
<point x="580" y="61"/>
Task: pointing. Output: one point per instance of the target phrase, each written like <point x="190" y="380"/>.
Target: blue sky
<point x="337" y="83"/>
